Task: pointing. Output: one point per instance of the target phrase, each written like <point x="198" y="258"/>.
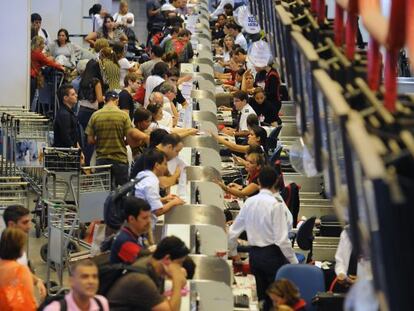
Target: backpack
<point x="290" y="195"/>
<point x="109" y="273"/>
<point x="62" y="302"/>
<point x="113" y="206"/>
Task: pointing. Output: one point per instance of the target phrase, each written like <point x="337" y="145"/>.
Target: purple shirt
<point x="93" y="306"/>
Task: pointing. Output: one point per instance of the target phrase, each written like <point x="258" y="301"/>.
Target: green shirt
<point x="110" y="126"/>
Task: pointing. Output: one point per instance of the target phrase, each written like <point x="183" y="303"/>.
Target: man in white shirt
<point x="18" y="216"/>
<point x="235" y="31"/>
<point x="158" y="76"/>
<point x="240" y="99"/>
<point x="36" y="20"/>
<point x="347" y="262"/>
<point x="220" y="9"/>
<point x="148" y="189"/>
<point x="263" y="218"/>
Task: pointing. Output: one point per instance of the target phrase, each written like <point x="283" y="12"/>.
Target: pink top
<point x="72" y="306"/>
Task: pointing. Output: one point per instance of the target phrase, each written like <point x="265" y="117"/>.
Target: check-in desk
<point x="200" y="222"/>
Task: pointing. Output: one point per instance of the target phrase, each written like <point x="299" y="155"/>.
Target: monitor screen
<point x="325" y="147"/>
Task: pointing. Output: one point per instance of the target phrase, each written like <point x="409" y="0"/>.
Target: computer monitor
<point x="306" y="60"/>
<point x="284" y="23"/>
<point x="336" y="111"/>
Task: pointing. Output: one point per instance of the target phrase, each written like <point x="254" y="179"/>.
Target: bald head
<point x="156" y="98"/>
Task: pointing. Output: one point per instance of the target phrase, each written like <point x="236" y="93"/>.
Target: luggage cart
<point x="72" y="196"/>
<point x="23" y="136"/>
<point x="62" y="222"/>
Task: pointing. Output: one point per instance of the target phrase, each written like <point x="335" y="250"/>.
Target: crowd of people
<point x="110" y="102"/>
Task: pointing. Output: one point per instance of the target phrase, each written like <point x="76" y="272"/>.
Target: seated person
<point x="348" y="264"/>
<point x="257" y="137"/>
<point x="108" y="31"/>
<point x="237" y="82"/>
<point x="129" y="241"/>
<point x="65" y="52"/>
<point x="155" y="166"/>
<point x="142" y="291"/>
<point x="255" y="162"/>
<point x="266" y="111"/>
<point x="285" y="296"/>
<point x="240" y="103"/>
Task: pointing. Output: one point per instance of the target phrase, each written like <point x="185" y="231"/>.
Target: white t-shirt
<point x="124" y="65"/>
<point x="97" y="22"/>
<point x="150" y="84"/>
<point x="166" y="120"/>
<point x="243" y="118"/>
<point x="122" y="19"/>
<point x="241" y="40"/>
<point x="42" y="34"/>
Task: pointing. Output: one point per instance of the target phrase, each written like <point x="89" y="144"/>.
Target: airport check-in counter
<point x="200" y="223"/>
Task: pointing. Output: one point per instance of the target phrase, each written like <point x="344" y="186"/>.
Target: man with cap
<point x="143" y="290"/>
<point x="107" y="130"/>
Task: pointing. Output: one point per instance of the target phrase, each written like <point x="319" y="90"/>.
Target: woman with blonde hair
<point x="283" y="294"/>
<point x="123" y="17"/>
<point x="110" y="70"/>
<point x="39" y="60"/>
<point x="16" y="281"/>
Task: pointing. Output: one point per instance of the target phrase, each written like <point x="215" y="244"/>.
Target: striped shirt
<point x="111" y="74"/>
<point x="110" y="126"/>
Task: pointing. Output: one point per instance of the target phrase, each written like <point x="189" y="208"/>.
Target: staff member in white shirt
<point x="263" y="218"/>
<point x="18" y="216"/>
<point x="148" y="189"/>
<point x="347" y="262"/>
<point x="240" y="99"/>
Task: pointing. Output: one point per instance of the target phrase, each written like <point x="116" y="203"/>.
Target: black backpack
<point x="109" y="273"/>
<point x="62" y="302"/>
<point x="113" y="206"/>
<point x="290" y="195"/>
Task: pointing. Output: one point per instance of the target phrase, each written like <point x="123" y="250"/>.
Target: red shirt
<point x="39" y="60"/>
<point x="300" y="305"/>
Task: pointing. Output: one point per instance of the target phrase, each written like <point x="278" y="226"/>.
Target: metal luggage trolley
<point x="24" y="136"/>
<point x="72" y="196"/>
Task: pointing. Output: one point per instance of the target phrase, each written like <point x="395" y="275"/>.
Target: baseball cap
<point x="111" y="95"/>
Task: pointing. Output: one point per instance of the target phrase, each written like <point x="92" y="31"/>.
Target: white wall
<point x="68" y="14"/>
<point x="15" y="53"/>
